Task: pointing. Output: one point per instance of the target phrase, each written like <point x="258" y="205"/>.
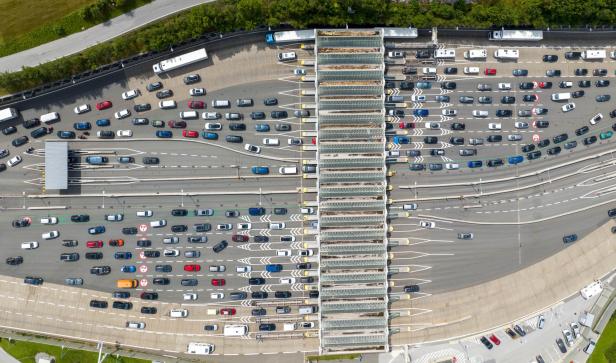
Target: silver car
<point x="73" y="281"/>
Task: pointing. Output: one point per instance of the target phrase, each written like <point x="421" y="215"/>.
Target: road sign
<point x="143" y="282"/>
<point x="141" y="254"/>
<point x="143" y="227"/>
<point x="536" y="137"/>
<point x="143" y="268"/>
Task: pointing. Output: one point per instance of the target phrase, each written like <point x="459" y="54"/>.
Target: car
<point x="541" y="124"/>
<point x="504" y="113"/>
<point x="577" y="94"/>
<point x="252" y="148"/>
<point x="420" y="85"/>
<point x="448" y="85"/>
<point x="456" y="140"/>
<point x="530" y="98"/>
<point x="128" y="95"/>
<point x="602" y="98"/>
<point x="235" y="126"/>
<point x="239" y="238"/>
<point x="196" y="105"/>
<point x="161" y="281"/>
<point x="22" y="222"/>
<point x="507" y="99"/>
<point x="575" y="328"/>
<point x="490" y="72"/>
<point x="466" y="99"/>
<point x="22" y="140"/>
<point x="519" y="329"/>
<point x="427" y="224"/>
<point x="568" y="337"/>
<point x="197" y="92"/>
<point x="560" y="138"/>
<point x="227" y="311"/>
<point x="220" y="246"/>
<point x="396" y="54"/>
<point x="602" y="83"/>
<point x="584" y="83"/>
<point x="570" y="145"/>
<point x="148" y="310"/>
<point x="96" y="230"/>
<point x="13" y="261"/>
<point x="458" y="126"/>
<point x="554" y="151"/>
<point x="553" y="73"/>
<point x="82" y="126"/>
<point x="573" y="55"/>
<point x="467" y="152"/>
<point x="520" y="72"/>
<point x="150" y="160"/>
<point x="128" y="268"/>
<point x="129" y="230"/>
<point x="151" y="87"/>
<point x="511" y="333"/>
<point x="99" y="304"/>
<point x="124" y="133"/>
<point x="599" y="72"/>
<point x="94" y="255"/>
<point x="142" y="107"/>
<point x="494" y="126"/>
<point x="80" y="218"/>
<point x="520" y="125"/>
<point x="164" y="94"/>
<point x="484" y="87"/>
<point x="568" y="107"/>
<point x="103" y="105"/>
<point x="484" y="99"/>
<point x="218" y="282"/>
<point x="596" y="118"/>
<point x="551" y="58"/>
<point x="545" y="85"/>
<point x="261" y="239"/>
<point x="495" y="339"/>
<point x="605" y="135"/>
<point x="192" y="254"/>
<point x="191" y="78"/>
<point x="527" y="85"/>
<point x="260" y="170"/>
<point x="486" y="342"/>
<point x="144" y="243"/>
<point x="149" y="295"/>
<point x="69" y="257"/>
<point x="561" y="345"/>
<point x="122" y="114"/>
<point x="189" y="282"/>
<point x="447" y="70"/>
<point x="210" y="327"/>
<point x="66" y="134"/>
<point x="9" y="130"/>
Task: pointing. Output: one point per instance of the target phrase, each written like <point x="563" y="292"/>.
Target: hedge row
<point x="227" y="15"/>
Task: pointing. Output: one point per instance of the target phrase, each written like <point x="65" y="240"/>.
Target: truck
<point x="199" y="348"/>
<point x="594" y="54"/>
<point x="8" y="114"/>
<point x="476" y="54"/>
<point x="516" y="35"/>
<point x="587" y="319"/>
<point x="591" y="290"/>
<point x="445" y="54"/>
<point x="180" y="61"/>
<point x="293" y="36"/>
<point x="235" y="330"/>
<point x="507" y="54"/>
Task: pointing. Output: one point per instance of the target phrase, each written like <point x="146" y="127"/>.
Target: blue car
<point x="262" y="127"/>
<point x="256" y="211"/>
<point x="164" y="134"/>
<point x="424" y="85"/>
<point x="260" y="170"/>
<point x="103" y="122"/>
<point x="66" y="134"/>
<point x="209" y="135"/>
<point x="515" y="159"/>
<point x="83" y="125"/>
<point x="273" y="268"/>
<point x="96" y="230"/>
<point x="123" y="255"/>
<point x="401" y="140"/>
<point x="475" y="164"/>
<point x="128" y="268"/>
<point x="421" y="112"/>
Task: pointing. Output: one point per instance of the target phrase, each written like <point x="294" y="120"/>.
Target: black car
<point x="458" y="126"/>
<point x="533" y="155"/>
<point x="577" y="94"/>
<point x="411" y="288"/>
<point x="561" y="345"/>
<point x="220" y="246"/>
<point x="164" y="93"/>
<point x="581" y="71"/>
<point x="258" y="295"/>
<point x="599" y="72"/>
<point x="573" y="55"/>
<point x="518" y="329"/>
<point x="202" y="227"/>
<point x="282" y="127"/>
<point x="570" y="145"/>
<point x="282" y="294"/>
<point x="486" y="342"/>
<point x="129" y="230"/>
<point x="106" y="134"/>
<point x="560" y="138"/>
<point x="553" y="73"/>
<point x="210" y="327"/>
<point x="550" y="58"/>
<point x="456" y="141"/>
<point x="430" y="139"/>
<point x="120" y="295"/>
<point x="280" y="211"/>
<point x="541" y="124"/>
<point x="261" y="239"/>
<point x="100" y="304"/>
<point x="161" y="281"/>
<point x="590" y="140"/>
<point x="494" y="138"/>
<point x="602" y="83"/>
<point x="417" y="167"/>
<point x="602" y="98"/>
<point x="257" y="115"/>
<point x="267" y="327"/>
<point x="435" y="166"/>
<point x="22" y="222"/>
<point x="613" y="113"/>
<point x="279" y="114"/>
<point x="151" y="253"/>
<point x="528" y="148"/>
<point x="584" y="83"/>
<point x="511" y="333"/>
<point x="40" y="132"/>
<point x="543" y="143"/>
<point x="177" y="228"/>
<point x="554" y="151"/>
<point x="234" y="126"/>
<point x="390" y="84"/>
<point x="149" y="295"/>
<point x="570" y="238"/>
<point x="154" y="86"/>
<point x="20" y="141"/>
<point x="256" y="281"/>
<point x="17" y="260"/>
<point x="148" y="310"/>
<point x="94" y="255"/>
<point x="80" y="218"/>
<point x="179" y="212"/>
<point x="448" y="85"/>
<point x="313" y="294"/>
<point x="270" y="101"/>
<point x="423" y="54"/>
<point x="192" y="78"/>
<point x="33" y="122"/>
<point x="495" y="162"/>
<point x="447" y="70"/>
<point x="100" y="270"/>
<point x="406" y="86"/>
<point x="304" y="266"/>
<point x="529" y="98"/>
<point x="611" y="213"/>
<point x="258" y="312"/>
<point x="413" y="70"/>
<point x="124" y="305"/>
<point x="70" y="257"/>
<point x="9" y="130"/>
<point x="150" y="160"/>
<point x="504" y="113"/>
<point x="507" y="99"/>
<point x="234" y="139"/>
<point x="144" y="243"/>
<point x="142" y="107"/>
<point x="527" y="85"/>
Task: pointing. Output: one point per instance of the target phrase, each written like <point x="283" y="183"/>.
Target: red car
<point x="227" y="311"/>
<point x="177" y="124"/>
<point x="196" y="104"/>
<point x="116" y="242"/>
<point x="239" y="238"/>
<point x="94" y="244"/>
<point x="495" y="339"/>
<point x="191" y="268"/>
<point x="218" y="282"/>
<point x="190" y="133"/>
<point x="103" y="105"/>
<point x="490" y="72"/>
<point x="314" y="141"/>
<point x="406" y="125"/>
<point x="545" y="84"/>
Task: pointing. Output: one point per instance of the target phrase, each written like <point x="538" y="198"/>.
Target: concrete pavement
<point x="77" y="42"/>
<point x="6" y="357"/>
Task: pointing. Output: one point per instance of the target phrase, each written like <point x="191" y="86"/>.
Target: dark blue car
<point x="83" y="125"/>
<point x="66" y="134"/>
<point x="96" y="230"/>
<point x="260" y="170"/>
<point x="103" y="122"/>
<point x="421" y="112"/>
<point x="515" y="159"/>
<point x="123" y="255"/>
<point x="164" y="134"/>
<point x="273" y="268"/>
<point x="475" y="164"/>
<point x="209" y="135"/>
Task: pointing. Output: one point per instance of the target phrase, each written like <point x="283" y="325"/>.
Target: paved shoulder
<point x="79" y="41"/>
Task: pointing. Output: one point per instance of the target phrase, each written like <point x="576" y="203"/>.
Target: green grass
<point x="30" y="23"/>
<point x="321" y="358"/>
<point x="25" y="352"/>
<point x="605" y="351"/>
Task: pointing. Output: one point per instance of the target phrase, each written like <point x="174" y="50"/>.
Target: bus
<point x="180" y="61"/>
<point x="518" y="35"/>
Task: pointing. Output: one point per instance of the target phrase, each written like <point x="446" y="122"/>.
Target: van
<point x="185" y="115"/>
<point x="476" y="54"/>
<point x="127" y="284"/>
<point x="29" y="245"/>
<point x="471" y="70"/>
<point x="590" y="347"/>
<point x="395" y="99"/>
<point x="235" y="330"/>
<point x="289" y="326"/>
<point x="507" y="54"/>
<point x="307" y="309"/>
<point x="211" y="115"/>
<point x="178" y="313"/>
<point x="159" y="223"/>
<point x="221" y="103"/>
<point x="167" y="104"/>
<point x="444" y="53"/>
<point x="50" y="117"/>
<point x="564" y="96"/>
<point x="212" y="312"/>
<point x="288" y="170"/>
<point x="199" y="348"/>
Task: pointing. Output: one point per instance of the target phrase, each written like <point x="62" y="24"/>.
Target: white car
<point x="190" y="296"/>
<point x="81" y="109"/>
<point x="243" y="269"/>
<point x="504" y="86"/>
<point x="124" y="133"/>
<point x="217" y="295"/>
<point x="395" y="54"/>
<point x="568" y="107"/>
<point x="50" y="235"/>
<point x="480" y="113"/>
<point x="129" y="95"/>
<point x="213" y="126"/>
<point x="244" y="226"/>
<point x="271" y="142"/>
<point x="568" y="337"/>
<point x="428" y="70"/>
<point x="217" y="268"/>
<point x="494" y="126"/>
<point x="122" y="114"/>
<point x="283" y="253"/>
<point x="277" y="225"/>
<point x="306" y="252"/>
<point x="252" y="148"/>
<point x="452" y="166"/>
<point x="521" y="125"/>
<point x="411" y="206"/>
<point x="418" y="98"/>
<point x="287" y="280"/>
<point x="392" y="153"/>
<point x="135" y="325"/>
<point x="432" y="125"/>
<point x="598" y="117"/>
<point x="49" y="220"/>
<point x="172" y="252"/>
<point x="427" y="224"/>
<point x="224" y="227"/>
<point x="307" y="210"/>
<point x="145" y="213"/>
<point x="14" y="161"/>
<point x="197" y="91"/>
<point x="299" y="71"/>
<point x="114" y="217"/>
<point x="576" y="329"/>
<point x="449" y="112"/>
<point x="29" y="245"/>
<point x="294" y="141"/>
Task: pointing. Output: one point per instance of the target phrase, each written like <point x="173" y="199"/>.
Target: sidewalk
<point x="6" y="357"/>
<point x="77" y="42"/>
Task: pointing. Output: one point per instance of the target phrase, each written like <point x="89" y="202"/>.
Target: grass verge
<point x="605" y="351"/>
<point x="323" y="358"/>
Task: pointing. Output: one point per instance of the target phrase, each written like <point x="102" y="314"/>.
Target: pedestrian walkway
<point x="77" y="42"/>
<point x="6" y="357"/>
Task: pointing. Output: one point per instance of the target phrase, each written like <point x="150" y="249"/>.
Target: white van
<point x="165" y="105"/>
<point x="444" y="53"/>
<point x="507" y="54"/>
<point x="199" y="348"/>
<point x="594" y="54"/>
<point x="211" y="115"/>
<point x="29" y="245"/>
<point x="289" y="326"/>
<point x="159" y="223"/>
<point x="235" y="330"/>
<point x="212" y="312"/>
<point x="471" y="70"/>
<point x="288" y="170"/>
<point x="189" y="115"/>
<point x="307" y="309"/>
<point x="178" y="313"/>
<point x="221" y="103"/>
<point x="50" y="117"/>
<point x="271" y="141"/>
<point x="476" y="54"/>
<point x="564" y="96"/>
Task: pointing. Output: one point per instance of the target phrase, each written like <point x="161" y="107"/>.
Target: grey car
<point x="485" y="99"/>
<point x="192" y="254"/>
<point x="73" y="281"/>
<point x="524" y="113"/>
<point x="484" y="87"/>
<point x="238" y="295"/>
<point x="466" y="99"/>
